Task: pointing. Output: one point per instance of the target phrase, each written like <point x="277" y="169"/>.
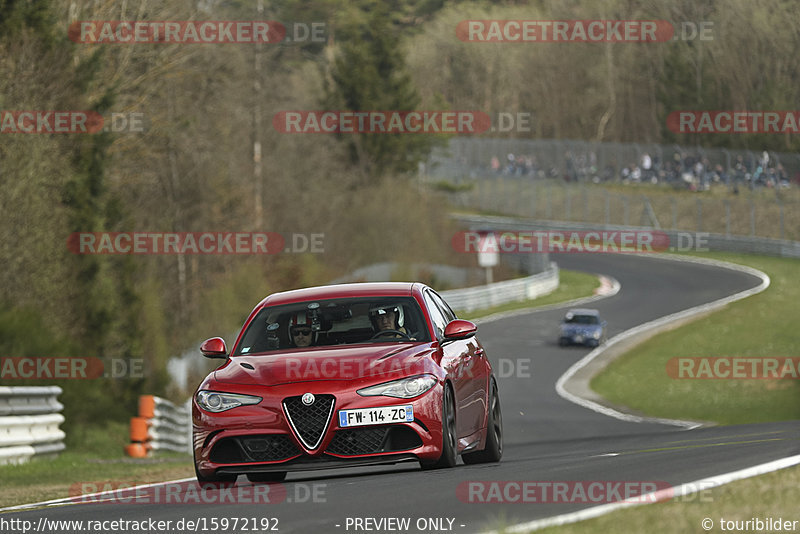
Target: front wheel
<point x="493" y="450"/>
<point x="214" y="481"/>
<point x="449" y="455"/>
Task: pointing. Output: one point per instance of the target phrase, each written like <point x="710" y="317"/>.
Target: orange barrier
<point x="160" y="425"/>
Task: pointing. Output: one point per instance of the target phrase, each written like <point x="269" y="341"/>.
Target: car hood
<point x="350" y="362"/>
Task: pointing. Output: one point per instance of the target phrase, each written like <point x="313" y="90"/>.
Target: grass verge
<point x="95" y="459"/>
<point x="759" y="326"/>
<point x="773" y="495"/>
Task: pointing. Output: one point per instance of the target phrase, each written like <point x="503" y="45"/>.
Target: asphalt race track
<point x="546" y="437"/>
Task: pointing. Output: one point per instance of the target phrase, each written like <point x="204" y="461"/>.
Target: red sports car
<point x="346" y="375"/>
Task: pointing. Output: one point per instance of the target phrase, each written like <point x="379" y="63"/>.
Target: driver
<point x="388" y="317"/>
<point x="300" y="334"/>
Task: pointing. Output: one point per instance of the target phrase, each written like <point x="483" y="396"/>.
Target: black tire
<point x="493" y="451"/>
<point x="562" y="342"/>
<point x="214" y="481"/>
<point x="273" y="476"/>
<point x="449" y="455"/>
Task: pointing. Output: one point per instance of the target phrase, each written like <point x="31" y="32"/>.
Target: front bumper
<point x="261" y="438"/>
<point x="579" y="338"/>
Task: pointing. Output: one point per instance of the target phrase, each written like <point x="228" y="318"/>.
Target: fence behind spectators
<point x="739" y="206"/>
<point x="583" y="161"/>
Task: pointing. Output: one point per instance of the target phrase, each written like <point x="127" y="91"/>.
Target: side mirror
<point x="214" y="348"/>
<point x="459" y="329"/>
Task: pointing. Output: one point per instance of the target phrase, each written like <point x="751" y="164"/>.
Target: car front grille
<point x="309" y="422"/>
<point x="258" y="448"/>
<point x="356" y="441"/>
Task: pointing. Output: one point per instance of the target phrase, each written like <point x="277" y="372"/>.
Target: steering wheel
<point x="390" y="332"/>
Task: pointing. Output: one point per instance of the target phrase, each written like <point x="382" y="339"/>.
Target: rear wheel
<point x="493" y="450"/>
<point x="274" y="476"/>
<point x="449" y="455"/>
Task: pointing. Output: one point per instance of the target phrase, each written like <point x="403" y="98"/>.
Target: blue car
<point x="582" y="327"/>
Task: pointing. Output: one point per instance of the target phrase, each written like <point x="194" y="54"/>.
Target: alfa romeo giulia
<point x="346" y="375"/>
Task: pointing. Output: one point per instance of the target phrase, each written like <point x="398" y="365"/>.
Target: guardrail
<point x="498" y="293"/>
<point x="29" y="421"/>
<point x="712" y="242"/>
<point x="161" y="425"/>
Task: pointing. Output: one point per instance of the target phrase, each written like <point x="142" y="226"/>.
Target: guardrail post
<point x="674" y="204"/>
<point x="568" y="203"/>
<point x="626" y="209"/>
<point x="699" y="215"/>
<point x="549" y="205"/>
<point x="727" y="218"/>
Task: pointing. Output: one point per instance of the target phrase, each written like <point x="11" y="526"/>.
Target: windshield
<point x="582" y="319"/>
<point x="334" y="322"/>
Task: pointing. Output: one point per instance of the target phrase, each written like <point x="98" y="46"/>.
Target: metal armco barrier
<point x="716" y="242"/>
<point x="161" y="425"/>
<point x="29" y="421"/>
<point x="487" y="296"/>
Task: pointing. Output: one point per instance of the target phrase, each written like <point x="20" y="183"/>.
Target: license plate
<point x="376" y="416"/>
<point x="579" y="339"/>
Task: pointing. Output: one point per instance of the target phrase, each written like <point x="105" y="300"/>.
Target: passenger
<point x="300" y="334"/>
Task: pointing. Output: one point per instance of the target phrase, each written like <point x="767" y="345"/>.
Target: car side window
<point x="448" y="313"/>
<point x="438" y="319"/>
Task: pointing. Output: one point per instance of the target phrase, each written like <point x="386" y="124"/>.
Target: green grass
<point x="572" y="285"/>
<point x="94" y="457"/>
<point x="764" y="325"/>
<point x="772" y="495"/>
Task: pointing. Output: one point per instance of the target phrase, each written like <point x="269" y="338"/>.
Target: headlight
<point x="405" y="388"/>
<point x="596" y="334"/>
<point x="214" y="401"/>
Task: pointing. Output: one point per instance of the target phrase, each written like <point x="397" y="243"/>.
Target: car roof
<point x="361" y="289"/>
<point x="584" y="311"/>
